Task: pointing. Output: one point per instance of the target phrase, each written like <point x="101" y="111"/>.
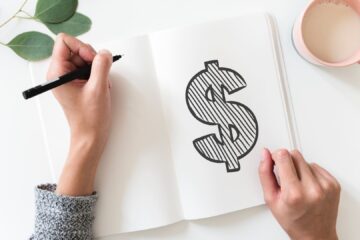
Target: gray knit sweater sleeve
<point x="62" y="217"/>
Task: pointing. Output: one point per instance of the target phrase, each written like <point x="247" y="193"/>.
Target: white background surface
<point x="326" y="103"/>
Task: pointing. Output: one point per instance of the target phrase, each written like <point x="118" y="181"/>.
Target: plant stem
<point x="27" y="14"/>
<point x="14" y="15"/>
<point x="4" y="23"/>
<point x="22" y="17"/>
<point x="1" y="43"/>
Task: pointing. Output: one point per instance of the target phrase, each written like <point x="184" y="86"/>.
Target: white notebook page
<point x="135" y="180"/>
<point x="151" y="175"/>
<point x="244" y="45"/>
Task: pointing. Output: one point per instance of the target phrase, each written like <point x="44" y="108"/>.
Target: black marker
<point x="81" y="73"/>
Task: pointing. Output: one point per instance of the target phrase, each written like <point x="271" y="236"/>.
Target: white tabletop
<point x="326" y="103"/>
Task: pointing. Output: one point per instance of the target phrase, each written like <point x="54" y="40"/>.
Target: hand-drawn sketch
<point x="237" y="124"/>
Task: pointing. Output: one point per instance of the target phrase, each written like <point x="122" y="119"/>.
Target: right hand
<point x="87" y="106"/>
<point x="305" y="203"/>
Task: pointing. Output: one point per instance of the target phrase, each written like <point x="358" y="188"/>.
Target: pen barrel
<point x="33" y="92"/>
<point x="81" y="73"/>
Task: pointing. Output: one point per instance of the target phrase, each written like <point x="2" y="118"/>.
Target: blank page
<point x="251" y="111"/>
<point x="135" y="180"/>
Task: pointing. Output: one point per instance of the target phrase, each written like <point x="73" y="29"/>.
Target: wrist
<point x="90" y="145"/>
<point x="78" y="174"/>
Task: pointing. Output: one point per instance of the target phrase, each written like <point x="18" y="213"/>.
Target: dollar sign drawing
<point x="237" y="124"/>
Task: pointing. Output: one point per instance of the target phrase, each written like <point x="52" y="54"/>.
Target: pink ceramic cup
<point x="303" y="50"/>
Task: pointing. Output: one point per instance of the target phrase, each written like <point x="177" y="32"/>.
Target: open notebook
<point x="193" y="108"/>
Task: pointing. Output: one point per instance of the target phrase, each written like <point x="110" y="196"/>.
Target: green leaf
<point x="55" y="11"/>
<point x="32" y="46"/>
<point x="75" y="26"/>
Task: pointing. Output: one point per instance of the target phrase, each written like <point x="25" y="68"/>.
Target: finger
<point x="267" y="177"/>
<point x="77" y="61"/>
<point x="321" y="179"/>
<point x="87" y="52"/>
<point x="100" y="70"/>
<point x="326" y="175"/>
<point x="91" y="49"/>
<point x="66" y="46"/>
<point x="61" y="51"/>
<point x="286" y="168"/>
<point x="57" y="69"/>
<point x="303" y="169"/>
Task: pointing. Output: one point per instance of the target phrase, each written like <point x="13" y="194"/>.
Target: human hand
<point x="87" y="106"/>
<point x="305" y="201"/>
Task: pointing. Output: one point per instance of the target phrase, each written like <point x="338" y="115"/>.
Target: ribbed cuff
<point x="62" y="217"/>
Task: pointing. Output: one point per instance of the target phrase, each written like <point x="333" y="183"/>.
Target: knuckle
<point x="282" y="155"/>
<point x="316" y="195"/>
<point x="330" y="188"/>
<point x="103" y="60"/>
<point x="327" y="186"/>
<point x="312" y="165"/>
<point x="297" y="155"/>
<point x="268" y="199"/>
<point x="334" y="186"/>
<point x="282" y="152"/>
<point x="89" y="46"/>
<point x="61" y="36"/>
<point x="337" y="186"/>
<point x="293" y="198"/>
<point x="296" y="152"/>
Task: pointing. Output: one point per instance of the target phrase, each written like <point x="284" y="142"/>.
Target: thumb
<point x="100" y="70"/>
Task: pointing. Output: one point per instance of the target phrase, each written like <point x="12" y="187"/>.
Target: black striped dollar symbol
<point x="237" y="124"/>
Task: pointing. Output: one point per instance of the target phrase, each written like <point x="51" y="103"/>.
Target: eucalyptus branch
<point x="14" y="15"/>
<point x="27" y="14"/>
<point x="22" y="17"/>
<point x="57" y="16"/>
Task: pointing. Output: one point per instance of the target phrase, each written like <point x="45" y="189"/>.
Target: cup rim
<point x="353" y="59"/>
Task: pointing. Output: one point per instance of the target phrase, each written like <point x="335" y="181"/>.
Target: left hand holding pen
<point x="87" y="106"/>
